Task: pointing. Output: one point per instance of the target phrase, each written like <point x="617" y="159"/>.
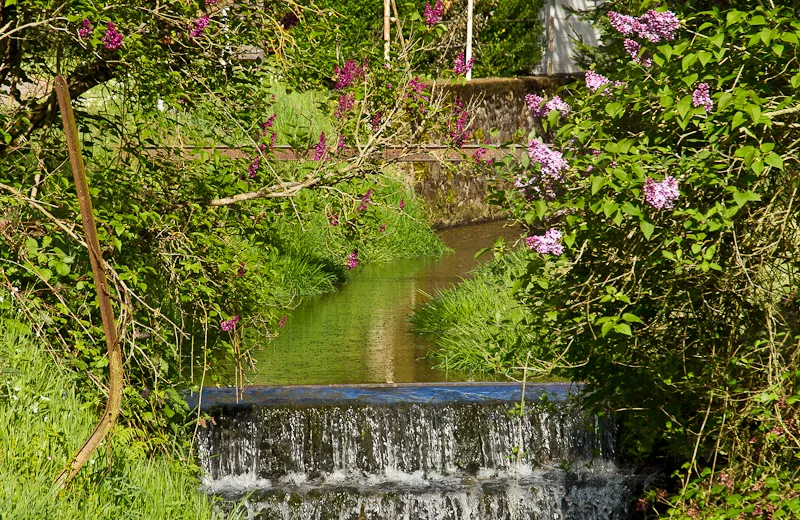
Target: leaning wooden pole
<point x="115" y="381"/>
<point x="387" y="29"/>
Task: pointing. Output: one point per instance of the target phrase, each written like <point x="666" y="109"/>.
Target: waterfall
<point x="415" y="452"/>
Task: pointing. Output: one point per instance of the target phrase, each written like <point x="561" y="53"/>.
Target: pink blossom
<point x="462" y="66"/>
<point x="86" y="29"/>
<point x="347" y="74"/>
<point x="382" y="228"/>
<point x="621" y="22"/>
<point x="229" y="325"/>
<point x="594" y="80"/>
<point x="321" y="149"/>
<point x="433" y="15"/>
<point x="333" y="220"/>
<point x="240" y="272"/>
<point x="352" y="260"/>
<point x="112" y="39"/>
<point x="479" y="154"/>
<point x="402" y="204"/>
<point x="547" y="243"/>
<point x="654" y="26"/>
<point x="282" y="323"/>
<point x="541" y="106"/>
<point x="702" y="97"/>
<point x="199" y="24"/>
<point x="345" y="104"/>
<point x="661" y="195"/>
<point x="375" y="123"/>
<point x="551" y="161"/>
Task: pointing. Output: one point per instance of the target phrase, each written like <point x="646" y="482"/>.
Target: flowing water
<point x="360" y="334"/>
<point x="413" y="452"/>
<point x="370" y="431"/>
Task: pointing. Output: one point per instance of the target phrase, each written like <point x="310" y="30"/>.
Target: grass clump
<point x="44" y="420"/>
<point x="478" y="325"/>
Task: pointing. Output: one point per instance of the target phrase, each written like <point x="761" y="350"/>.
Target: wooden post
<point x="115" y="380"/>
<point x="387" y="15"/>
<point x="470" y="9"/>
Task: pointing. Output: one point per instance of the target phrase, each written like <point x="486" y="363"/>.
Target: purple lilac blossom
<point x="86" y="29"/>
<point x="345" y="104"/>
<point x="112" y="39"/>
<point x="282" y="323"/>
<point x="536" y="104"/>
<point x="333" y="220"/>
<point x="199" y="24"/>
<point x="702" y="97"/>
<point x="402" y="204"/>
<point x="661" y="195"/>
<point x="268" y="124"/>
<point x="365" y="200"/>
<point x="594" y="80"/>
<point x="462" y="66"/>
<point x="654" y="26"/>
<point x="321" y="149"/>
<point x="433" y="15"/>
<point x="551" y="161"/>
<point x="229" y="325"/>
<point x="632" y="48"/>
<point x="547" y="243"/>
<point x="352" y="260"/>
<point x="382" y="228"/>
<point x="342" y="143"/>
<point x="347" y="74"/>
<point x="541" y="106"/>
<point x="375" y="123"/>
<point x="253" y="168"/>
<point x="479" y="154"/>
<point x="240" y="272"/>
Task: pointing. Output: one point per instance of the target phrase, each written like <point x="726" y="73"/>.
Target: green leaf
<point x="647" y="228"/>
<point x="754" y="111"/>
<point x="623" y="328"/>
<point x="704" y="57"/>
<point x="732" y="17"/>
<point x="684" y="105"/>
<point x="597" y="183"/>
<point x="632" y="318"/>
<point x="743" y="197"/>
<point x="724" y="101"/>
<point x="606" y="328"/>
<point x="688" y="61"/>
<point x="541" y="208"/>
<point x="774" y="160"/>
<point x="757" y="20"/>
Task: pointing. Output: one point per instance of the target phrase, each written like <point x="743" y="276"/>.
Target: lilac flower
<point x="342" y="143"/>
<point x="541" y="106"/>
<point x="240" y="272"/>
<point x="547" y="243"/>
<point x="433" y="15"/>
<point x="333" y="220"/>
<point x="462" y="66"/>
<point x="458" y="128"/>
<point x="347" y="74"/>
<point x="86" y="29"/>
<point x="375" y="123"/>
<point x="701" y="97"/>
<point x="382" y="228"/>
<point x="661" y="195"/>
<point x="479" y="154"/>
<point x="282" y="323"/>
<point x="352" y="260"/>
<point x="621" y="22"/>
<point x="229" y="325"/>
<point x="321" y="149"/>
<point x="632" y="48"/>
<point x="656" y="26"/>
<point x="365" y="200"/>
<point x="199" y="24"/>
<point x="594" y="80"/>
<point x="551" y="161"/>
<point x="269" y="123"/>
<point x="289" y="20"/>
<point x="595" y="152"/>
<point x="345" y="104"/>
<point x="112" y="39"/>
<point x="417" y="88"/>
<point x="273" y="139"/>
<point x="253" y="168"/>
<point x="402" y="204"/>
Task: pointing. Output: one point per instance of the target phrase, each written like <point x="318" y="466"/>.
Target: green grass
<point x="478" y="326"/>
<point x="43" y="421"/>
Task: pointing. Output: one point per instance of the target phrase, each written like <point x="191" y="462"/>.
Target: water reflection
<point x="360" y="334"/>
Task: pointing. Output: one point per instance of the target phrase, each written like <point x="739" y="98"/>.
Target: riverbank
<point x="43" y="421"/>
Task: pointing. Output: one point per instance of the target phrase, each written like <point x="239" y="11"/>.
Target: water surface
<point x="361" y="333"/>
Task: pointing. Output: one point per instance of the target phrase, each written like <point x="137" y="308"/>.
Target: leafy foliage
<point x="695" y="303"/>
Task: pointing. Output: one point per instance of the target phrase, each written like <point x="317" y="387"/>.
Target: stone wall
<point x="456" y="194"/>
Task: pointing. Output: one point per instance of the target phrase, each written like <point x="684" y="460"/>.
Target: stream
<point x="361" y="333"/>
<point x="345" y="419"/>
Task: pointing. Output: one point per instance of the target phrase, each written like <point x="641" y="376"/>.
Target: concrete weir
<point x="458" y="451"/>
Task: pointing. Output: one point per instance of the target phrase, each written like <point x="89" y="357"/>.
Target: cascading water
<point x="413" y="452"/>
